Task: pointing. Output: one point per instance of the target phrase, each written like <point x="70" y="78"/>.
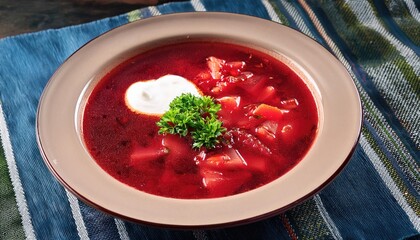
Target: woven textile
<point x="375" y="197"/>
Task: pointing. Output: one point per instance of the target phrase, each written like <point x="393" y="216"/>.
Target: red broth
<point x="269" y="113"/>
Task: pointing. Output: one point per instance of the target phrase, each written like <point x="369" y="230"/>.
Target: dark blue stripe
<point x="364" y="205"/>
<point x="248" y="7"/>
<point x="26" y="64"/>
<point x="173" y="8"/>
<point x="99" y="225"/>
<point x="136" y="231"/>
<point x="392" y="26"/>
<point x="410" y="183"/>
<point x="367" y="84"/>
<point x="271" y="228"/>
<point x="417" y="3"/>
<point x="308" y="22"/>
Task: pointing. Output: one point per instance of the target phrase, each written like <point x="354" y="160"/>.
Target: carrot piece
<point x="268" y="112"/>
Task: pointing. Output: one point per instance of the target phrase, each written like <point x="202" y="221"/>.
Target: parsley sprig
<point x="196" y="116"/>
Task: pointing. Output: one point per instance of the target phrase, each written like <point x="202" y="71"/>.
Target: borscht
<point x="240" y="119"/>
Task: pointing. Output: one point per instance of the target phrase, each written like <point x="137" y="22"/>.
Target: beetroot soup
<point x="268" y="114"/>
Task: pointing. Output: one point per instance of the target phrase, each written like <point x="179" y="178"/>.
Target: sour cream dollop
<point x="154" y="96"/>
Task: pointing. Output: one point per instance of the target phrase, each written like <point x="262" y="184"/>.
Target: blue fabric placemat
<point x="375" y="197"/>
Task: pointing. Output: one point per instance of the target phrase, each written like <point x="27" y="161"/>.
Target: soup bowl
<point x="61" y="109"/>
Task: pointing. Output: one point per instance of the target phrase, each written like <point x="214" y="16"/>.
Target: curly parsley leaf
<point x="196" y="116"/>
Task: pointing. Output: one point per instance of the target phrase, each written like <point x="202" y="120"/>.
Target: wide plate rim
<point x="189" y="220"/>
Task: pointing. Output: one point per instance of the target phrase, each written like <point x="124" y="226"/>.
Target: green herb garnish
<point x="196" y="116"/>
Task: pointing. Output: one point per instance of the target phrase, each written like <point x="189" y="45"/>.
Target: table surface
<point x="22" y="16"/>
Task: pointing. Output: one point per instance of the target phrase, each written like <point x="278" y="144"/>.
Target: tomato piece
<point x="268" y="112"/>
<point x="230" y="103"/>
<point x="204" y="80"/>
<point x="234" y="68"/>
<point x="215" y="66"/>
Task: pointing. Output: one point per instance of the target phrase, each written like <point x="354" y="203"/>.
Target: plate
<point x="61" y="108"/>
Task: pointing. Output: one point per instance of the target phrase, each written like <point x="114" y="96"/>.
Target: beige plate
<point x="61" y="106"/>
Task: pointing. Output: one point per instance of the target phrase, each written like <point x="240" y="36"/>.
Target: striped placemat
<point x="375" y="197"/>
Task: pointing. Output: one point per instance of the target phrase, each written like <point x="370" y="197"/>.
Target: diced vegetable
<point x="234" y="68"/>
<point x="240" y="138"/>
<point x="230" y="103"/>
<point x="230" y="159"/>
<point x="267" y="130"/>
<point x="222" y="87"/>
<point x="144" y="155"/>
<point x="175" y="144"/>
<point x="205" y="75"/>
<point x="268" y="112"/>
<point x="222" y="184"/>
<point x="271" y="126"/>
<point x="263" y="133"/>
<point x="215" y="65"/>
<point x="212" y="178"/>
<point x="248" y="122"/>
<point x="254" y="84"/>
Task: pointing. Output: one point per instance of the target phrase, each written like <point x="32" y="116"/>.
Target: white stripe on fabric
<point x="270" y="11"/>
<point x="15" y="179"/>
<point x="365" y="14"/>
<point x="154" y="11"/>
<point x="297" y="18"/>
<point x="327" y="219"/>
<point x="389" y="182"/>
<point x="198" y="5"/>
<point x="413" y="10"/>
<point x="404" y="102"/>
<point x="122" y="231"/>
<point x="378" y="118"/>
<point x="200" y="235"/>
<point x="386" y="132"/>
<point x="77" y="216"/>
